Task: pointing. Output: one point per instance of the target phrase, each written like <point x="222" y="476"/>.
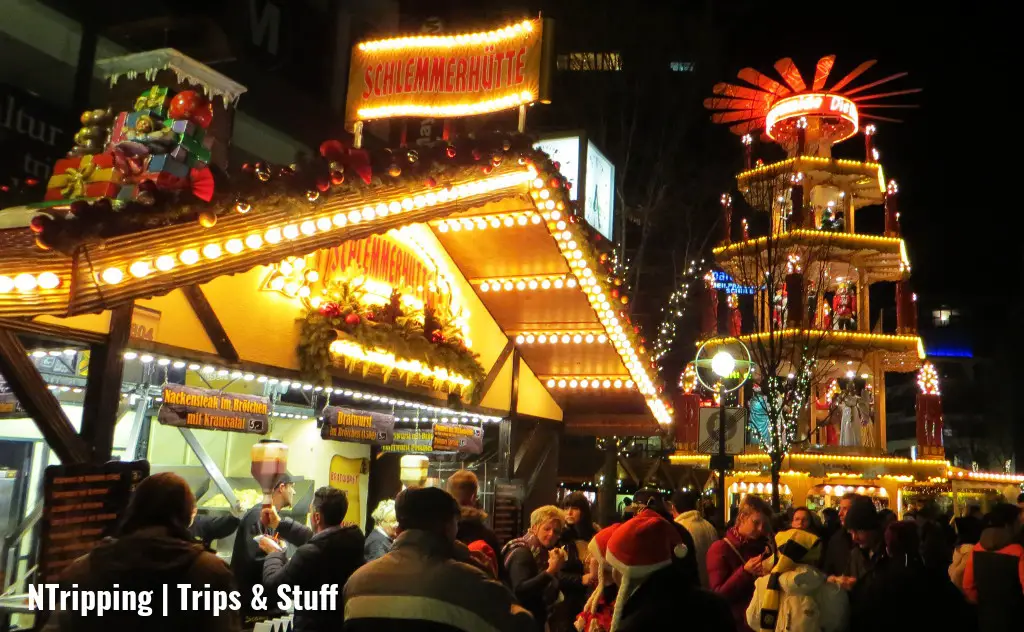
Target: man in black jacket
<point x="246" y="556"/>
<point x="209" y="527"/>
<point x="330" y="557"/>
<point x="465" y="488"/>
<point x="840" y="545"/>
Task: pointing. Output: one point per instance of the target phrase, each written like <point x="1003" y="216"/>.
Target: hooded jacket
<point x="473" y="527"/>
<point x="422" y="585"/>
<point x="329" y="557"/>
<point x="831" y="607"/>
<point x="145" y="561"/>
<point x="994" y="579"/>
<point x="247" y="557"/>
<point x="726" y="576"/>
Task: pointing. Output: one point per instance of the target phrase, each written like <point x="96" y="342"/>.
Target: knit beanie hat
<point x="640" y="547"/>
<point x="862" y="515"/>
<point x="597" y="548"/>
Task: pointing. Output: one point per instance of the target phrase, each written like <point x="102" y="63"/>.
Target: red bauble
<point x="615" y="293"/>
<point x="352" y="319"/>
<point x="636" y="330"/>
<point x="323" y="185"/>
<point x="557" y="165"/>
<point x="436" y="337"/>
<point x="337" y="177"/>
<point x="450" y="151"/>
<point x="184" y="104"/>
<point x="487" y="169"/>
<point x="203" y="115"/>
<point x="37" y="224"/>
<point x="430" y="182"/>
<point x="554" y="182"/>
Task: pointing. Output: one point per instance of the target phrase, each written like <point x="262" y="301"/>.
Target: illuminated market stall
<point x="429" y="306"/>
<point x="798" y="296"/>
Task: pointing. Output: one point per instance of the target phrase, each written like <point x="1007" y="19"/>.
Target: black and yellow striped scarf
<point x="795" y="547"/>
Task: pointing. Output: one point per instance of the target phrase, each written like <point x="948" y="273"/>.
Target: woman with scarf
<point x="796" y="595"/>
<point x="735" y="561"/>
<point x="532" y="563"/>
<point x="574" y="579"/>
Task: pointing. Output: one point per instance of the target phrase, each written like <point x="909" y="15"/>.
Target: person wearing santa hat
<point x="597" y="613"/>
<point x="645" y="554"/>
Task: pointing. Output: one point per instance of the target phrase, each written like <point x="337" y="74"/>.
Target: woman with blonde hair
<point x="378" y="543"/>
<point x="532" y="563"/>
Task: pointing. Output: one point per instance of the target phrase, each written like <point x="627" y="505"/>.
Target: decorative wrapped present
<point x="156" y="99"/>
<point x="165" y="163"/>
<point x="88" y="176"/>
<point x="119" y="130"/>
<point x="197" y="150"/>
<point x="167" y="181"/>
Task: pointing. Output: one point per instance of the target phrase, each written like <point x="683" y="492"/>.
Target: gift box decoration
<point x="165" y="180"/>
<point x="188" y="128"/>
<point x="92" y="175"/>
<point x="197" y="150"/>
<point x="155" y="99"/>
<point x="119" y="129"/>
<point x="165" y="163"/>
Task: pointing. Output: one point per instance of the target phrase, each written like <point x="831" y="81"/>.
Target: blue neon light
<point x="950" y="352"/>
<point x="722" y="281"/>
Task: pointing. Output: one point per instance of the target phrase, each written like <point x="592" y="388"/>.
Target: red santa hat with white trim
<point x="640" y="547"/>
<point x="598" y="548"/>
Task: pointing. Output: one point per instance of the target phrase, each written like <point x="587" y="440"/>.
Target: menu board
<point x="357" y="426"/>
<point x="458" y="438"/>
<point x="82" y="504"/>
<point x="208" y="409"/>
<point x="507" y="514"/>
<point x="411" y="441"/>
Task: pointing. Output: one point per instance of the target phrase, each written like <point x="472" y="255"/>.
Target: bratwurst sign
<point x="450" y="75"/>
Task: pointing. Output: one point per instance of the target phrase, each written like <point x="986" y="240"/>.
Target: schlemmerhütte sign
<point x="450" y="75"/>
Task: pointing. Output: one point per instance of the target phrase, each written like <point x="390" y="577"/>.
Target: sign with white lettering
<point x="813" y="104"/>
<point x="33" y="134"/>
<point x="722" y="281"/>
<point x="357" y="426"/>
<point x="207" y="409"/>
<point x="458" y="438"/>
<point x="448" y="75"/>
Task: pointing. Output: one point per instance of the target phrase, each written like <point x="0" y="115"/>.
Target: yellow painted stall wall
<point x="489" y="340"/>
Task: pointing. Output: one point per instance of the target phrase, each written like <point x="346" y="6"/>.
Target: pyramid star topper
<point x="779" y="109"/>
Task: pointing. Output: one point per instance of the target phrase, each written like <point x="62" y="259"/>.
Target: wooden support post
<point x="103" y="389"/>
<point x="211" y="324"/>
<point x="30" y="389"/>
<point x="606" y="491"/>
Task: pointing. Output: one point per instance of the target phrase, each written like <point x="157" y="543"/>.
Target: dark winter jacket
<point x="725" y="561"/>
<point x="994" y="579"/>
<point x="377" y="545"/>
<point x="667" y="593"/>
<point x="837" y="555"/>
<point x="570" y="578"/>
<point x="209" y="527"/>
<point x="422" y="586"/>
<point x="525" y="562"/>
<point x="329" y="557"/>
<point x="145" y="561"/>
<point x="893" y="584"/>
<point x="473" y="527"/>
<point x="246" y="556"/>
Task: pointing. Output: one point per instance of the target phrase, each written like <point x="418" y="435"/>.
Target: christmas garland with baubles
<point x="423" y="336"/>
<point x="339" y="170"/>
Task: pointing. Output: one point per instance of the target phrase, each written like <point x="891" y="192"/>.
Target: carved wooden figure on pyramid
<point x="780" y="306"/>
<point x="735" y="317"/>
<point x="844" y="315"/>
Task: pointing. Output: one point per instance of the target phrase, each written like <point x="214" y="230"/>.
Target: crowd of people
<point x="432" y="563"/>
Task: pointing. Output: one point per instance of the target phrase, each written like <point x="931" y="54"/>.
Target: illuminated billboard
<point x="593" y="185"/>
<point x="449" y="75"/>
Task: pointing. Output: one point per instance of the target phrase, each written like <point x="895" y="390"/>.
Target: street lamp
<point x="724" y="366"/>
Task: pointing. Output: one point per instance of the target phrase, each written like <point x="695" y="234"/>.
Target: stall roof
<point x="543" y="243"/>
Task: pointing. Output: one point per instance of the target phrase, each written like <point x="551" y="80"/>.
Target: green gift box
<point x="156" y="98"/>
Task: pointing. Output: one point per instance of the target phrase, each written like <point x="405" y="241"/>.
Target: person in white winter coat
<point x="968" y="533"/>
<point x="796" y="596"/>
